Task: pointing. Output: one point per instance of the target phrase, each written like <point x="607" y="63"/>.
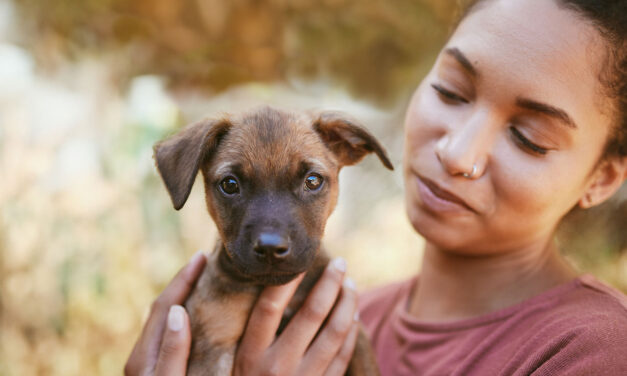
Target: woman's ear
<point x="605" y="181"/>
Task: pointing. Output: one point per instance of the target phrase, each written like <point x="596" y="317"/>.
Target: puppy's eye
<point x="229" y="185"/>
<point x="313" y="182"/>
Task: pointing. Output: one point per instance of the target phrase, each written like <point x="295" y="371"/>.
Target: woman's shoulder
<point x="583" y="308"/>
<point x="582" y="328"/>
<point x="603" y="293"/>
<point x="592" y="299"/>
<point x="591" y="309"/>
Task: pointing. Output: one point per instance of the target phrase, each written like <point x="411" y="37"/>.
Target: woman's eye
<point x="526" y="143"/>
<point x="313" y="182"/>
<point x="448" y="95"/>
<point x="229" y="185"/>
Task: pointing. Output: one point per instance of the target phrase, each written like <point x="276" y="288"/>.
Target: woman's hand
<point x="302" y="349"/>
<point x="306" y="346"/>
<point x="160" y="351"/>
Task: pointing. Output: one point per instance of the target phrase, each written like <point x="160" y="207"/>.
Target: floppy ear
<point x="179" y="157"/>
<point x="349" y="141"/>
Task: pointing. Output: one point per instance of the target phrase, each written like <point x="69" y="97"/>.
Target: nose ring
<point x="472" y="173"/>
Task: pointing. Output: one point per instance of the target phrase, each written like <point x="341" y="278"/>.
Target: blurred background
<point x="88" y="236"/>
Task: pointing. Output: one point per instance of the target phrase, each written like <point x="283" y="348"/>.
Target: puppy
<point x="271" y="182"/>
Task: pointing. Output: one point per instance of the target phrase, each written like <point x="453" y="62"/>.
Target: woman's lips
<point x="438" y="199"/>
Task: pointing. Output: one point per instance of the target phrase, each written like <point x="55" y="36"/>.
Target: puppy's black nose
<point x="272" y="246"/>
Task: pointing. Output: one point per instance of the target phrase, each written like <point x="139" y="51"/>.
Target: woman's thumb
<point x="175" y="346"/>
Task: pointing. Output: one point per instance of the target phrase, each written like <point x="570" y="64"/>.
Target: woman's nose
<point x="464" y="150"/>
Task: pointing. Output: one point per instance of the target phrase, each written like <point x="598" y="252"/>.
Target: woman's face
<point x="516" y="93"/>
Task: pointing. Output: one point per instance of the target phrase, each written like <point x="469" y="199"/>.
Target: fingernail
<point x="339" y="264"/>
<point x="356" y="317"/>
<point x="175" y="318"/>
<point x="349" y="283"/>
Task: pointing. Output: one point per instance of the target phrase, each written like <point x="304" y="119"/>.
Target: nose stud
<point x="440" y="146"/>
<point x="472" y="173"/>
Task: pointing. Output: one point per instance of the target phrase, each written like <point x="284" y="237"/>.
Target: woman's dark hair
<point x="609" y="17"/>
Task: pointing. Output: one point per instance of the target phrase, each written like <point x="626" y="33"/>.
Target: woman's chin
<point x="441" y="235"/>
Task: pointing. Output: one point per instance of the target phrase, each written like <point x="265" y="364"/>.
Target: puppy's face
<point x="270" y="187"/>
<point x="270" y="183"/>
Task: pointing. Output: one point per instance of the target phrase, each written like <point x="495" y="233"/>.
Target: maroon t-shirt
<point x="579" y="328"/>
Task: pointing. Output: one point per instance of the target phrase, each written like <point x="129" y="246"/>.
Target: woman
<point x="522" y="118"/>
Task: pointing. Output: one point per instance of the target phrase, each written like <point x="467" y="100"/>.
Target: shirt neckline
<point x="408" y="321"/>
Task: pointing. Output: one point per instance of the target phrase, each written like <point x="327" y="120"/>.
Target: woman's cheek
<point x="528" y="187"/>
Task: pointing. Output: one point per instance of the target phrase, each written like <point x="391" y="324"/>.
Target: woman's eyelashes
<point x="525" y="143"/>
<point x="448" y="95"/>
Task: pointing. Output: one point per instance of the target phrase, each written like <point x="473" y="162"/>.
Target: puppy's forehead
<point x="271" y="142"/>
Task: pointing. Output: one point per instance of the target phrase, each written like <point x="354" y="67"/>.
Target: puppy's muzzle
<point x="272" y="247"/>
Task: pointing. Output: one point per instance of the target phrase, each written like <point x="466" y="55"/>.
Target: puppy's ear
<point x="179" y="157"/>
<point x="349" y="141"/>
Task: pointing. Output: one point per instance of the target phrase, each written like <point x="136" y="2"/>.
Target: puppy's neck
<point x="228" y="269"/>
<point x="220" y="277"/>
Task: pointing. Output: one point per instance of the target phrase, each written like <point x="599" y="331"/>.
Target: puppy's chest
<point x="219" y="311"/>
<point x="218" y="322"/>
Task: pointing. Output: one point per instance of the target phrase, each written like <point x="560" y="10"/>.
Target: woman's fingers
<point x="175" y="345"/>
<point x="263" y="323"/>
<point x="307" y="321"/>
<point x="260" y="353"/>
<point x="334" y="333"/>
<point x="340" y="362"/>
<point x="146" y="350"/>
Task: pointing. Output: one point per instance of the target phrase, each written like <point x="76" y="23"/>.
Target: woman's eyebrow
<point x="462" y="59"/>
<point x="525" y="103"/>
<point x="548" y="110"/>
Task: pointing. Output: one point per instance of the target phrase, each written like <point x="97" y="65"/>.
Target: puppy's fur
<point x="271" y="182"/>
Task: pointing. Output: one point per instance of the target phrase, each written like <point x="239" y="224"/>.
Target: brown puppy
<point x="271" y="182"/>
